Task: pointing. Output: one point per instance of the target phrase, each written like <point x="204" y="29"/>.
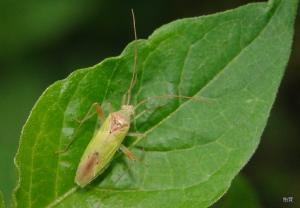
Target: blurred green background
<point x="43" y="41"/>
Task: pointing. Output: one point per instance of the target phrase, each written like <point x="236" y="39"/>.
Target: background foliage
<point x="42" y="41"/>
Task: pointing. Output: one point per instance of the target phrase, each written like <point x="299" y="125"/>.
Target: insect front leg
<point x="100" y="112"/>
<point x="139" y="136"/>
<point x="143" y="112"/>
<point x="111" y="110"/>
<point x="95" y="108"/>
<point x="135" y="134"/>
<point x="138" y="115"/>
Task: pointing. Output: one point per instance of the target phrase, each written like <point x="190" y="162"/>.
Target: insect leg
<point x="127" y="152"/>
<point x="143" y="112"/>
<point x="135" y="134"/>
<point x="124" y="98"/>
<point x="111" y="110"/>
<point x="100" y="112"/>
<point x="90" y="113"/>
<point x="139" y="137"/>
<point x="139" y="115"/>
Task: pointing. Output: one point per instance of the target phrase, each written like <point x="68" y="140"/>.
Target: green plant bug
<point x="104" y="145"/>
<point x="109" y="137"/>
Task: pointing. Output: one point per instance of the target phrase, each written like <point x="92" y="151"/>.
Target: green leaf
<point x="232" y="62"/>
<point x="240" y="194"/>
<point x="2" y="204"/>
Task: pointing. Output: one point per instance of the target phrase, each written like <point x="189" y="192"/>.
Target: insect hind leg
<point x="127" y="152"/>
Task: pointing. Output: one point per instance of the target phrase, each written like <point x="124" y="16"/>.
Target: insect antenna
<point x="200" y="99"/>
<point x="134" y="74"/>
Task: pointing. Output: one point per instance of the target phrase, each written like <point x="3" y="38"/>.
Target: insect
<point x="104" y="145"/>
<point x="109" y="137"/>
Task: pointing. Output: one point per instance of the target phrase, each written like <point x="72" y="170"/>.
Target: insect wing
<point x="99" y="152"/>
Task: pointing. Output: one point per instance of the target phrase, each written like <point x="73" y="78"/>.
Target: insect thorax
<point x="120" y="120"/>
<point x="129" y="109"/>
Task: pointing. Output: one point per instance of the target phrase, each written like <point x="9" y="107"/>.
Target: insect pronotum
<point x="109" y="137"/>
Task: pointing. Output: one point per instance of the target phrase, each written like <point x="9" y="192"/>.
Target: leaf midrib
<point x="211" y="80"/>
